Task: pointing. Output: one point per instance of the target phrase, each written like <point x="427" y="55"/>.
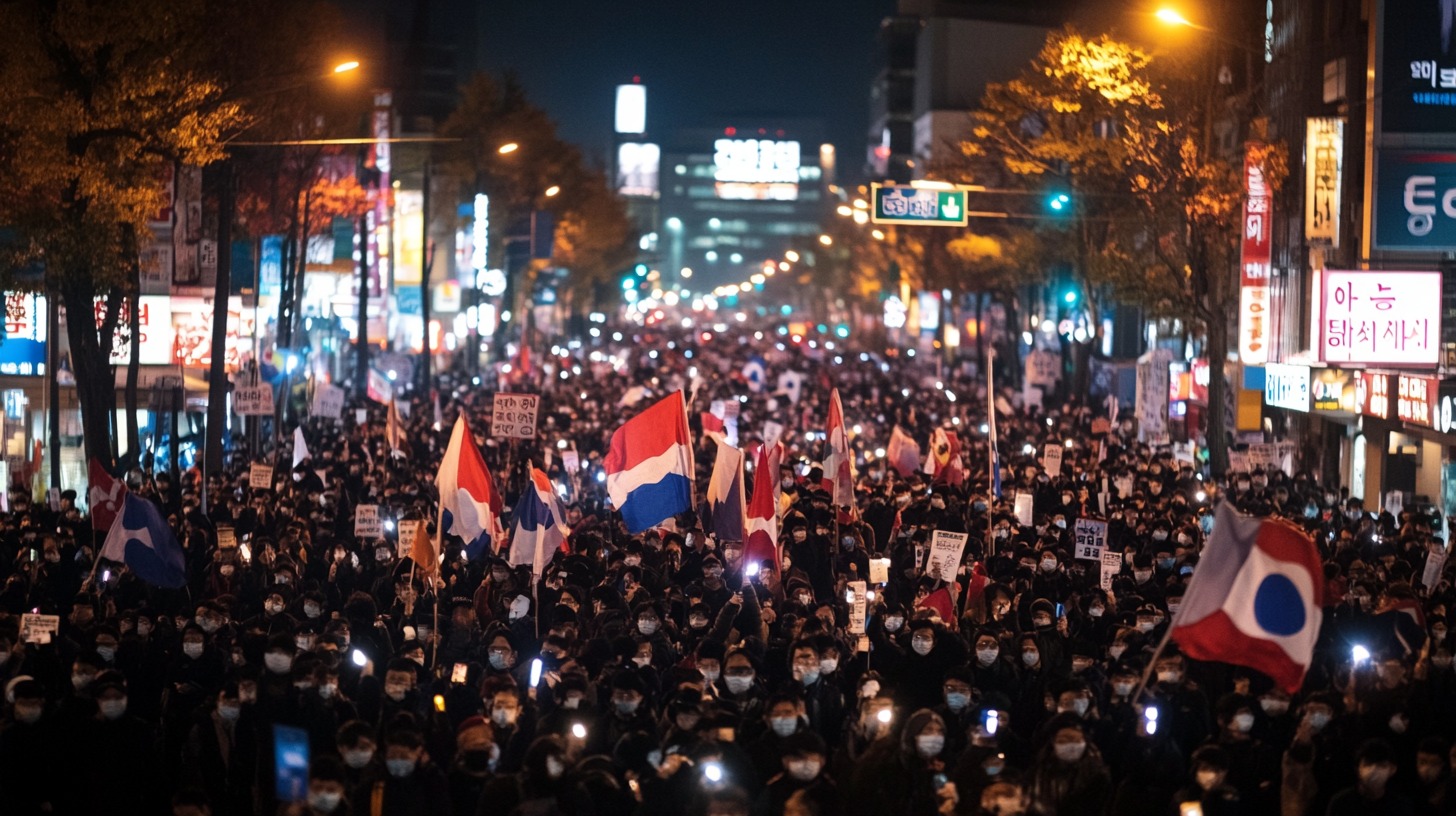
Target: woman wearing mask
<point x="1068" y="777"/>
<point x="740" y="692"/>
<point x="903" y="777"/>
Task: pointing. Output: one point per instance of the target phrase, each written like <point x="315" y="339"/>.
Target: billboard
<point x="756" y="169"/>
<point x="154" y="328"/>
<point x="1415" y="200"/>
<point x="1255" y="257"/>
<point x="1324" y="147"/>
<point x="1375" y="317"/>
<point x="23" y="349"/>
<point x="637" y="168"/>
<point x="1286" y="386"/>
<point x="1417" y="68"/>
<point x="631" y="112"/>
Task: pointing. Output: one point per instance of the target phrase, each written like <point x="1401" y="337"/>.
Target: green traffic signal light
<point x="1070" y="297"/>
<point x="1059" y="202"/>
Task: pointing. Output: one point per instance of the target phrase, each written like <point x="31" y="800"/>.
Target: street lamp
<point x="508" y="147"/>
<point x="345" y="67"/>
<point x="1172" y="17"/>
<point x="553" y="190"/>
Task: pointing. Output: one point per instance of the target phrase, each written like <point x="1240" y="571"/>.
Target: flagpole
<point x="1152" y="662"/>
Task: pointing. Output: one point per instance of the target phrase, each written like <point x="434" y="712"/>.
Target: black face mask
<point x="475" y="761"/>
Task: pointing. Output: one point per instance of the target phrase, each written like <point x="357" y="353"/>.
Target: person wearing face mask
<point x="328" y="787"/>
<point x="1068" y="776"/>
<point x="542" y="786"/>
<point x="629" y="709"/>
<point x="1253" y="767"/>
<point x="1184" y="707"/>
<point x="30" y="751"/>
<point x="801" y="774"/>
<point x="1319" y="759"/>
<point x="823" y="699"/>
<point x="784" y="716"/>
<point x="130" y="781"/>
<point x="1209" y="786"/>
<point x="1372" y="794"/>
<point x="959" y="708"/>
<point x="900" y="775"/>
<point x="476" y="759"/>
<point x="407" y="783"/>
<point x="917" y="679"/>
<point x="991" y="672"/>
<point x="357" y="750"/>
<point x="220" y="755"/>
<point x="738" y="690"/>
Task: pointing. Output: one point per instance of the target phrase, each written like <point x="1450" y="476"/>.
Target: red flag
<point x="941" y="602"/>
<point x="763" y="508"/>
<point x="105" y="496"/>
<point x="902" y="453"/>
<point x="838" y="461"/>
<point x="945" y="451"/>
<point x="713" y="424"/>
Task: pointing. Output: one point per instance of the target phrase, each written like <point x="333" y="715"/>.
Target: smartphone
<point x="1061" y="610"/>
<point x="290" y="763"/>
<point x="458" y="674"/>
<point x="359" y="658"/>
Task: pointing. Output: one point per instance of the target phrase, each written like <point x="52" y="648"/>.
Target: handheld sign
<point x="408" y="530"/>
<point x="945" y="554"/>
<point x="39" y="628"/>
<point x="1051" y="458"/>
<point x="253" y="400"/>
<point x="1023" y="509"/>
<point x="1090" y="536"/>
<point x="1111" y="566"/>
<point x="859" y="607"/>
<point x="260" y="476"/>
<point x="879" y="570"/>
<point x="513" y="416"/>
<point x="367" y="523"/>
<point x="328" y="402"/>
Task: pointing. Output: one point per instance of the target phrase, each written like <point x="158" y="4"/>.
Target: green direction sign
<point x="915" y="205"/>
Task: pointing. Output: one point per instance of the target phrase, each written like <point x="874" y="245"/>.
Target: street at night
<point x="910" y="408"/>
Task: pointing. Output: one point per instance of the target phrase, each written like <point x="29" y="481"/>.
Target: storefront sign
<point x="1417" y="82"/>
<point x="1380" y="318"/>
<point x="1324" y="146"/>
<point x="1415" y="399"/>
<point x="1373" y="394"/>
<point x="23" y="348"/>
<point x="1332" y="390"/>
<point x="1415" y="200"/>
<point x="1286" y="386"/>
<point x="1255" y="260"/>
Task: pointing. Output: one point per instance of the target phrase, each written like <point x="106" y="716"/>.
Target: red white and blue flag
<point x="763" y="508"/>
<point x="838" y="461"/>
<point x="725" y="500"/>
<point x="540" y="529"/>
<point x="650" y="465"/>
<point x="470" y="506"/>
<point x="1255" y="598"/>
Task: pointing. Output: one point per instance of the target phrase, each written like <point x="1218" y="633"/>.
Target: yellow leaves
<point x="972" y="247"/>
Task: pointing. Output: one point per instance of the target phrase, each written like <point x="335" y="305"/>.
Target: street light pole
<point x="425" y="259"/>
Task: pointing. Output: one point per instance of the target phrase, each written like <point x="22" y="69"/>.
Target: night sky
<point x="701" y="61"/>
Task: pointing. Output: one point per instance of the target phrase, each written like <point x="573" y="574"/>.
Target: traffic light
<point x="1070" y="297"/>
<point x="641" y="270"/>
<point x="1059" y="202"/>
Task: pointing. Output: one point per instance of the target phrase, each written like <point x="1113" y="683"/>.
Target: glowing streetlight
<point x="826" y="240"/>
<point x="878" y="235"/>
<point x="791" y="256"/>
<point x="345" y="67"/>
<point x="1172" y="17"/>
<point x="553" y="190"/>
<point x="508" y="147"/>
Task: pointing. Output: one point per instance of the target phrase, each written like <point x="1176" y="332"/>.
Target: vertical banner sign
<point x="1111" y="566"/>
<point x="1255" y="260"/>
<point x="1324" y="146"/>
<point x="859" y="608"/>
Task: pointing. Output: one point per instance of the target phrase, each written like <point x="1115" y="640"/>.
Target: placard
<point x="253" y="400"/>
<point x="328" y="402"/>
<point x="260" y="476"/>
<point x="570" y="461"/>
<point x="513" y="416"/>
<point x="39" y="628"/>
<point x="772" y="432"/>
<point x="1024" y="509"/>
<point x="1238" y="461"/>
<point x="1435" y="564"/>
<point x="1051" y="459"/>
<point x="879" y="570"/>
<point x="227" y="537"/>
<point x="408" y="530"/>
<point x="859" y="608"/>
<point x="1123" y="484"/>
<point x="1264" y="456"/>
<point x="1090" y="536"/>
<point x="1111" y="566"/>
<point x="945" y="554"/>
<point x="367" y="523"/>
<point x="361" y="416"/>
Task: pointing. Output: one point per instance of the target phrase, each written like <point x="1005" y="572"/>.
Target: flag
<point x="423" y="550"/>
<point x="725" y="500"/>
<point x="941" y="602"/>
<point x="140" y="538"/>
<point x="713" y="426"/>
<point x="1407" y="622"/>
<point x="791" y="385"/>
<point x="379" y="388"/>
<point x="902" y="453"/>
<point x="755" y="372"/>
<point x="470" y="507"/>
<point x="394" y="430"/>
<point x="540" y="527"/>
<point x="300" y="447"/>
<point x="104" y="497"/>
<point x="650" y="466"/>
<point x="763" y="516"/>
<point x="838" y="461"/>
<point x="945" y="449"/>
<point x="1255" y="598"/>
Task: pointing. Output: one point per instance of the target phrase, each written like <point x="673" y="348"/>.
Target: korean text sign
<point x="1380" y="318"/>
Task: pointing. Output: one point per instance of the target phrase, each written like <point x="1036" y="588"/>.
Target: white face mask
<point x="1070" y="751"/>
<point x="922" y="646"/>
<point x="1243" y="723"/>
<point x="1207" y="779"/>
<point x="827" y="666"/>
<point x="738" y="683"/>
<point x="987" y="656"/>
<point x="804" y="770"/>
<point x="929" y="745"/>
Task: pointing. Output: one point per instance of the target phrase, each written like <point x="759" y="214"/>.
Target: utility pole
<point x="426" y="256"/>
<point x="361" y="336"/>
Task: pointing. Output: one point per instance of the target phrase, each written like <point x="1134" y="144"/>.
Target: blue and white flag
<point x="141" y="539"/>
<point x="726" y="502"/>
<point x="755" y="373"/>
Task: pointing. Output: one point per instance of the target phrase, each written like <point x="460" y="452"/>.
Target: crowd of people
<point x="664" y="673"/>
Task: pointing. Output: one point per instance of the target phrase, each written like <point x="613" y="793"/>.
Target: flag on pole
<point x="763" y="516"/>
<point x="838" y="461"/>
<point x="140" y="538"/>
<point x="394" y="430"/>
<point x="941" y="602"/>
<point x="902" y="452"/>
<point x="105" y="496"/>
<point x="945" y="449"/>
<point x="755" y="373"/>
<point x="1255" y="598"/>
<point x="725" y="500"/>
<point x="300" y="447"/>
<point x="470" y="506"/>
<point x="540" y="528"/>
<point x="649" y="464"/>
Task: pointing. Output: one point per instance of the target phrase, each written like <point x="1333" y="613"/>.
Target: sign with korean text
<point x="227" y="537"/>
<point x="1328" y="390"/>
<point x="1414" y="205"/>
<point x="859" y="608"/>
<point x="1023" y="509"/>
<point x="1152" y="396"/>
<point x="1090" y="539"/>
<point x="1324" y="147"/>
<point x="514" y="416"/>
<point x="1380" y="318"/>
<point x="408" y="531"/>
<point x="1051" y="459"/>
<point x="1416" y="399"/>
<point x="23" y="348"/>
<point x="1417" y="68"/>
<point x="328" y="401"/>
<point x="367" y="523"/>
<point x="1255" y="255"/>
<point x="915" y="205"/>
<point x="155" y="334"/>
<point x="945" y="554"/>
<point x="39" y="628"/>
<point x="1286" y="386"/>
<point x="253" y="400"/>
<point x="1263" y="456"/>
<point x="1111" y="566"/>
<point x="260" y="476"/>
<point x="1373" y="394"/>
